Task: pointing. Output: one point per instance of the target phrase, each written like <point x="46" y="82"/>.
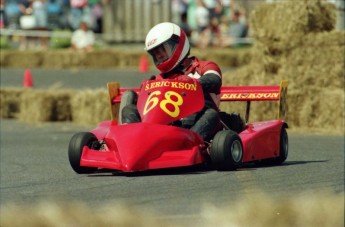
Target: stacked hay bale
<point x="254" y="209"/>
<point x="108" y="58"/>
<point x="90" y="106"/>
<point x="296" y="40"/>
<point x="85" y="107"/>
<point x="10" y="102"/>
<point x="45" y="105"/>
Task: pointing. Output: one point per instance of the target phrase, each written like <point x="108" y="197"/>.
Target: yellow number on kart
<point x="175" y="104"/>
<point x="151" y="102"/>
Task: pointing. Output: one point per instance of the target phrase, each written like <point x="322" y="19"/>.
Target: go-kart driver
<point x="169" y="47"/>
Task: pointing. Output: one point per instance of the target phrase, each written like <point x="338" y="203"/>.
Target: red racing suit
<point x="209" y="75"/>
<point x="206" y="121"/>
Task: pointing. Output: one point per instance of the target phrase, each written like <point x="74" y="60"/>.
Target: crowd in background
<point x="52" y="14"/>
<point x="206" y="22"/>
<point x="212" y="22"/>
<point x="48" y="15"/>
<point x="219" y="23"/>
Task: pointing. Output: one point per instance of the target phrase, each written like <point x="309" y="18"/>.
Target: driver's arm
<point x="211" y="82"/>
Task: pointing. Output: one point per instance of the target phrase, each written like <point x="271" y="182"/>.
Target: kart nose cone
<point x="139" y="151"/>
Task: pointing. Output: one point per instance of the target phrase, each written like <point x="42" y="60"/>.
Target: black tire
<point x="284" y="147"/>
<point x="226" y="150"/>
<point x="75" y="149"/>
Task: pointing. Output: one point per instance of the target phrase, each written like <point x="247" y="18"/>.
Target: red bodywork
<point x="154" y="143"/>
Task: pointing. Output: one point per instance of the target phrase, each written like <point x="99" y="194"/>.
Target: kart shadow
<point x="252" y="166"/>
<point x="197" y="169"/>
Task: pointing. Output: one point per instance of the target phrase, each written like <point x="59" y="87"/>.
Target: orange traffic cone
<point x="27" y="80"/>
<point x="143" y="64"/>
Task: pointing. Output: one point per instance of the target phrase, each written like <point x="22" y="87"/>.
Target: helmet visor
<point x="163" y="52"/>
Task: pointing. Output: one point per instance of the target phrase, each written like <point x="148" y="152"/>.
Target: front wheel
<point x="226" y="150"/>
<point x="75" y="149"/>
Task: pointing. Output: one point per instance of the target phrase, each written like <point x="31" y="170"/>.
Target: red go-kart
<point x="156" y="143"/>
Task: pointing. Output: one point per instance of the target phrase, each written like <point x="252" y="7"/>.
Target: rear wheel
<point x="284" y="147"/>
<point x="75" y="149"/>
<point x="226" y="150"/>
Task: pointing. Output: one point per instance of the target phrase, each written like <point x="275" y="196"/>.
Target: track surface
<point x="34" y="166"/>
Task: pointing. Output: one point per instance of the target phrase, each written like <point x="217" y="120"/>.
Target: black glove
<point x="211" y="83"/>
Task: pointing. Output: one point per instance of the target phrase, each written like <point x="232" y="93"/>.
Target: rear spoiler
<point x="257" y="93"/>
<point x="227" y="94"/>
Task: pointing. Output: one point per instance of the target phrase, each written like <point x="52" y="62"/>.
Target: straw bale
<point x="310" y="208"/>
<point x="129" y="59"/>
<point x="302" y="209"/>
<point x="259" y="111"/>
<point x="30" y="105"/>
<point x="43" y="106"/>
<point x="10" y="102"/>
<point x="109" y="58"/>
<point x="27" y="59"/>
<point x="90" y="106"/>
<point x="277" y="21"/>
<point x="320" y="109"/>
<point x="76" y="213"/>
<point x="35" y="106"/>
<point x="224" y="57"/>
<point x="253" y="74"/>
<point x="309" y="55"/>
<point x="61" y="105"/>
<point x="95" y="59"/>
<point x="62" y="59"/>
<point x="102" y="59"/>
<point x="307" y="68"/>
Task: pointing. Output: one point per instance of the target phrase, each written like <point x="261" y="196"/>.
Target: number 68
<point x="153" y="100"/>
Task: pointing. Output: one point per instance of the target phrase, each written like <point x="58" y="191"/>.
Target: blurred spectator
<point x="208" y="20"/>
<point x="215" y="32"/>
<point x="77" y="12"/>
<point x="178" y="7"/>
<point x="83" y="38"/>
<point x="12" y="13"/>
<point x="55" y="14"/>
<point x="213" y="7"/>
<point x="203" y="21"/>
<point x="96" y="15"/>
<point x="227" y="5"/>
<point x="39" y="9"/>
<point x="238" y="29"/>
<point x="185" y="26"/>
<point x="26" y="21"/>
<point x="217" y="13"/>
<point x="3" y="16"/>
<point x="191" y="14"/>
<point x="25" y="7"/>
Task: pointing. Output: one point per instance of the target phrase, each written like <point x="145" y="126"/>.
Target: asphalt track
<point x="34" y="164"/>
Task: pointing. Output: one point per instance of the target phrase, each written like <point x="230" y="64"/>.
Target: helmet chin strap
<point x="180" y="68"/>
<point x="186" y="62"/>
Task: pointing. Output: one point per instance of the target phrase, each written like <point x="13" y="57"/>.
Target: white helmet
<point x="168" y="45"/>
